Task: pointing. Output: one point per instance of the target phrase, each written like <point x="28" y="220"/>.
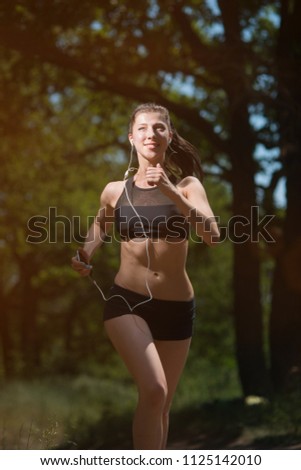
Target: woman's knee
<point x="154" y="394"/>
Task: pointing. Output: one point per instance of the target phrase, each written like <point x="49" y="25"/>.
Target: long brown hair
<point x="181" y="158"/>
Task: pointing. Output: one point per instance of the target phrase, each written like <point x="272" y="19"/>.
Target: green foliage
<point x="47" y="208"/>
<point x="45" y="414"/>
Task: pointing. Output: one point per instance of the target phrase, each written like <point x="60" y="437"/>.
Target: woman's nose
<point x="150" y="133"/>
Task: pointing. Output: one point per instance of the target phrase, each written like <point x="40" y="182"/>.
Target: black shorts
<point x="167" y="319"/>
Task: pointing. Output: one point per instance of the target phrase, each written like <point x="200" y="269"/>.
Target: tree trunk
<point x="29" y="335"/>
<point x="5" y="340"/>
<point x="285" y="322"/>
<point x="247" y="308"/>
<point x="246" y="275"/>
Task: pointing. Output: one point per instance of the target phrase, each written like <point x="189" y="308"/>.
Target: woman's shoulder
<point x="111" y="193"/>
<point x="189" y="181"/>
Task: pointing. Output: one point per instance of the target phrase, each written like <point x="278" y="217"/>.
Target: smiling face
<point x="150" y="136"/>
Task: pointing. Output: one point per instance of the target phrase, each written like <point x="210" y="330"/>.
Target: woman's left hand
<point x="155" y="175"/>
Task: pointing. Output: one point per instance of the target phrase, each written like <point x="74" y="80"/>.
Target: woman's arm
<point x="96" y="233"/>
<point x="191" y="200"/>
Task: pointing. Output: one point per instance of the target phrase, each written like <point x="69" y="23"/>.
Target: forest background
<point x="71" y="72"/>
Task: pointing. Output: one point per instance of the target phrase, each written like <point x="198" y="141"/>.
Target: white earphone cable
<point x="130" y="169"/>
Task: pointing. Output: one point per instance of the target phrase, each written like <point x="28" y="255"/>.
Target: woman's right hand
<point x="82" y="265"/>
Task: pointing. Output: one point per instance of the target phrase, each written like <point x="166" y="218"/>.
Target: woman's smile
<point x="151" y="145"/>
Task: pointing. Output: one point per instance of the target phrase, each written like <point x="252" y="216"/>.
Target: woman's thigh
<point x="131" y="337"/>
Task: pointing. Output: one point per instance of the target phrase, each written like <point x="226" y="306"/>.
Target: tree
<point x="285" y="324"/>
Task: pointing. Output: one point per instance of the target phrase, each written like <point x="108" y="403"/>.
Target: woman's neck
<point x="140" y="179"/>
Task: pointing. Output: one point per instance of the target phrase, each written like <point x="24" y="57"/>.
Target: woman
<point x="150" y="312"/>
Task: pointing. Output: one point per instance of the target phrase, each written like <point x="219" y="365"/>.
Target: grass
<point x="42" y="414"/>
<point x="88" y="412"/>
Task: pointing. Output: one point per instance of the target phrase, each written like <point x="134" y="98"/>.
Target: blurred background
<point x="71" y="72"/>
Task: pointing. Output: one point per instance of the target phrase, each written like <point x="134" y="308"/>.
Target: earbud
<point x="132" y="143"/>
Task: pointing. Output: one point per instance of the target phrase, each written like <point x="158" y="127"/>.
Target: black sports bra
<point x="159" y="215"/>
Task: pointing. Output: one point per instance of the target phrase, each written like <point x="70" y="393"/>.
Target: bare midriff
<point x="165" y="272"/>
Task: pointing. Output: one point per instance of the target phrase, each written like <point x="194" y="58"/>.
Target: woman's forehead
<point x="150" y="117"/>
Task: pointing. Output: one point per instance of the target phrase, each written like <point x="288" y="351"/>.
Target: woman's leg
<point x="132" y="339"/>
<point x="173" y="355"/>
